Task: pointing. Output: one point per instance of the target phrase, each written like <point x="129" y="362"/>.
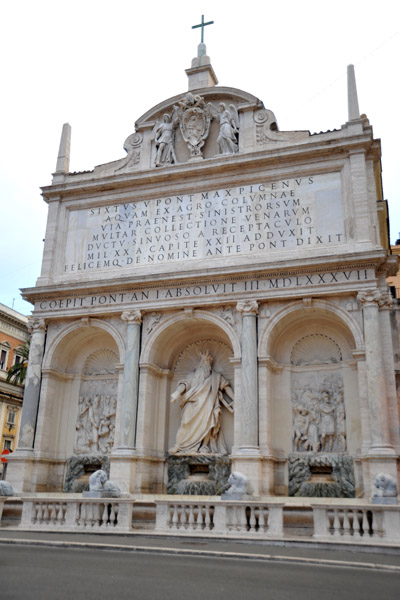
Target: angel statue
<point x="227" y="140"/>
<point x="164" y="137"/>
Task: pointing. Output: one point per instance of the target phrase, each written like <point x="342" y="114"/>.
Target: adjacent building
<point x="13" y="334"/>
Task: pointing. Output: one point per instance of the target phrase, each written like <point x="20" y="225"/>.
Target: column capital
<point x="132" y="316"/>
<point x="386" y="301"/>
<point x="247" y="307"/>
<point x="371" y="297"/>
<point x="35" y="324"/>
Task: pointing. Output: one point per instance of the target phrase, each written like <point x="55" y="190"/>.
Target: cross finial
<point x="202" y="25"/>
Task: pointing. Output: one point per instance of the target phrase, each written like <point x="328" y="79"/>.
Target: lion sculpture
<point x="385" y="485"/>
<point x="239" y="484"/>
<point x="98" y="482"/>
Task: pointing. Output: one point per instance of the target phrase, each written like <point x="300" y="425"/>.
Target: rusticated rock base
<point x="80" y="468"/>
<point x="321" y="475"/>
<point x="198" y="475"/>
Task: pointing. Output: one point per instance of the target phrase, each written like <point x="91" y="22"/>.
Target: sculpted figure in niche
<point x="227" y="140"/>
<point x="164" y="137"/>
<point x="201" y="396"/>
<point x="327" y="425"/>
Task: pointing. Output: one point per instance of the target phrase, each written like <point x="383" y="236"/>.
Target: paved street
<point x="58" y="573"/>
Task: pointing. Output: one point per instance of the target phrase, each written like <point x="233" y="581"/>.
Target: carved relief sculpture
<point x="95" y="425"/>
<point x="97" y="404"/>
<point x="201" y="396"/>
<point x="319" y="421"/>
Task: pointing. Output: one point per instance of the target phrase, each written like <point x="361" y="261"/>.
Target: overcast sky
<point x="99" y="65"/>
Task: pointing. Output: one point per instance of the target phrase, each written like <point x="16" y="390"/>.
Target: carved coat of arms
<point x="194" y="123"/>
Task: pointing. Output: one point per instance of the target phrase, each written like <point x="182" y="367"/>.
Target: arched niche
<point x="80" y="362"/>
<point x="309" y="365"/>
<point x="170" y="353"/>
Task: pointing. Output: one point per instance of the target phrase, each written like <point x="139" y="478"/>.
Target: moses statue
<point x="201" y="399"/>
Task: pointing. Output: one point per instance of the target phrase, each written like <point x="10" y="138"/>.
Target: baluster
<point x="53" y="513"/>
<point x="114" y="515"/>
<point x="198" y="515"/>
<point x="45" y="516"/>
<point x="116" y="512"/>
<point x="346" y="523"/>
<point x="261" y="520"/>
<point x="242" y="518"/>
<point x="175" y="517"/>
<point x="191" y="520"/>
<point x="207" y="520"/>
<point x="252" y="521"/>
<point x="336" y="523"/>
<point x="61" y="513"/>
<point x="82" y="515"/>
<point x="89" y="514"/>
<point x="36" y="511"/>
<point x="365" y="524"/>
<point x="356" y="525"/>
<point x="104" y="515"/>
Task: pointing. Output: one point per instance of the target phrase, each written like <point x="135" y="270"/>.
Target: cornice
<point x="283" y="268"/>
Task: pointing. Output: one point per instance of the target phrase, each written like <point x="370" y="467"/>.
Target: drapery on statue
<point x="228" y="129"/>
<point x="201" y="397"/>
<point x="164" y="137"/>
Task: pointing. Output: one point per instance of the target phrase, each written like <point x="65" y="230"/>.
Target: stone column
<point x="130" y="385"/>
<point x="249" y="395"/>
<point x="376" y="386"/>
<point x="32" y="384"/>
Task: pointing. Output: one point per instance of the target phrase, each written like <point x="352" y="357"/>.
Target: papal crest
<point x="194" y="123"/>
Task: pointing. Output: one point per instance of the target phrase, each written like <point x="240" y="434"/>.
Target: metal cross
<point x="202" y="25"/>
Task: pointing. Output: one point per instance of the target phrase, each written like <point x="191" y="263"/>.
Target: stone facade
<point x="216" y="236"/>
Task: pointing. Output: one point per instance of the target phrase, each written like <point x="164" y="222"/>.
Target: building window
<point x="3" y="359"/>
<point x="7" y="444"/>
<point x="17" y="359"/>
<point x="11" y="417"/>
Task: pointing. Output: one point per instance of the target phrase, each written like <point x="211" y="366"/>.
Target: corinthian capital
<point x="247" y="307"/>
<point x="35" y="324"/>
<point x="370" y="297"/>
<point x="132" y="316"/>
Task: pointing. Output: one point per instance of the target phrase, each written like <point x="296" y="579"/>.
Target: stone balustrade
<point x="345" y="522"/>
<point x="372" y="523"/>
<point x="221" y="518"/>
<point x="88" y="514"/>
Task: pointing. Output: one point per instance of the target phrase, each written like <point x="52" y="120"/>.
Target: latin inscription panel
<point x="262" y="218"/>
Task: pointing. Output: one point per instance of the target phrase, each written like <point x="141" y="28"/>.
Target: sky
<point x="100" y="65"/>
